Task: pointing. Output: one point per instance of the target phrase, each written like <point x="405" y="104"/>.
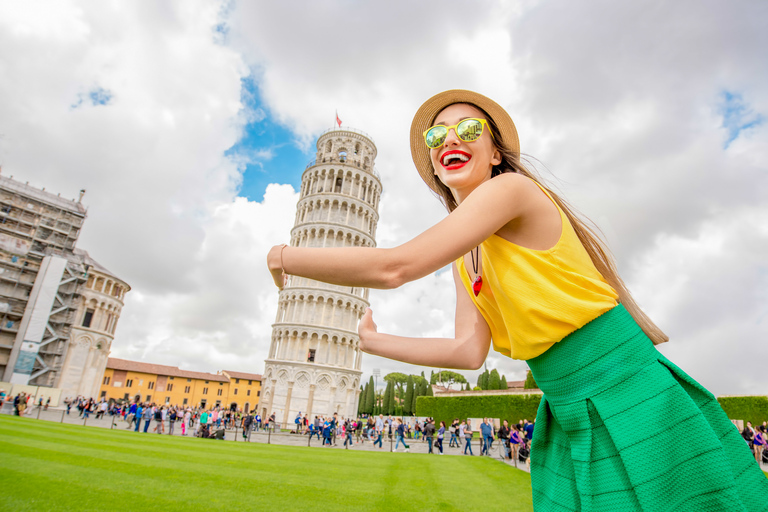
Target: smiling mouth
<point x="455" y="159"/>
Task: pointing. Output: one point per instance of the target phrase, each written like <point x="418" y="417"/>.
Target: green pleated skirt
<point x="622" y="428"/>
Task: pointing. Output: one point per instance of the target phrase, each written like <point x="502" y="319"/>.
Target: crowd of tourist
<point x="24" y="403"/>
<point x="757" y="439"/>
<point x="214" y="422"/>
<point x="516" y="439"/>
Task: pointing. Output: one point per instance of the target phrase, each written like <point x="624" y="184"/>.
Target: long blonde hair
<point x="598" y="252"/>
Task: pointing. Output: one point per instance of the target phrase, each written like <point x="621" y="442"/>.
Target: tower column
<point x="311" y="401"/>
<point x="288" y="404"/>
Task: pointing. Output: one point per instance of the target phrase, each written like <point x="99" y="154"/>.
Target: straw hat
<point x="427" y="113"/>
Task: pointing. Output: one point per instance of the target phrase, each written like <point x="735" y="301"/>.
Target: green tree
<point x="530" y="383"/>
<point x="447" y="376"/>
<point x="420" y="390"/>
<point x="494" y="382"/>
<point x="430" y="392"/>
<point x="408" y="396"/>
<point x="397" y="377"/>
<point x="361" y="400"/>
<point x="364" y="400"/>
<point x="482" y="380"/>
<point x="386" y="409"/>
<point x="504" y="384"/>
<point x="371" y="396"/>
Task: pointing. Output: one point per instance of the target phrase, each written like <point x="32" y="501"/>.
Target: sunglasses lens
<point x="435" y="136"/>
<point x="469" y="130"/>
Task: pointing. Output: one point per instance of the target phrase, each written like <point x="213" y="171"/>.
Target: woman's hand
<point x="274" y="263"/>
<point x="367" y="330"/>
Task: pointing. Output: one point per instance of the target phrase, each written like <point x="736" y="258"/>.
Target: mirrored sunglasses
<point x="468" y="130"/>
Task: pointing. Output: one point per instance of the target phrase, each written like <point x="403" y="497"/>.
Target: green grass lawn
<point x="49" y="466"/>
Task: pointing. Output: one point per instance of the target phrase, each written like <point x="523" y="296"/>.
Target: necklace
<point x="477" y="284"/>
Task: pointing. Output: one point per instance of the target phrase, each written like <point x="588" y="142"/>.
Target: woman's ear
<point x="496" y="159"/>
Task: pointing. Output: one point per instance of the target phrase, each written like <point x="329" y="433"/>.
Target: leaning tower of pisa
<point x="314" y="359"/>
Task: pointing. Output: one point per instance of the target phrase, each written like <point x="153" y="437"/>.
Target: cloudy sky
<point x="189" y="125"/>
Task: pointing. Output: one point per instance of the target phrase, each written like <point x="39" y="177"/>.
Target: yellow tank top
<point x="532" y="299"/>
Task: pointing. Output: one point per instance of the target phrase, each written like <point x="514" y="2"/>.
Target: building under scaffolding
<point x="40" y="281"/>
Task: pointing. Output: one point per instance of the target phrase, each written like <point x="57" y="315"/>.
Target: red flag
<point x="338" y="121"/>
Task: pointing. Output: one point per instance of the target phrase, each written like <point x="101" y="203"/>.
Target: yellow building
<point x="244" y="389"/>
<point x="127" y="380"/>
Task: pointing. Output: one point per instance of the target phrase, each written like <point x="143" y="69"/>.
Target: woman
<point x="535" y="281"/>
<point x="515" y="440"/>
<point x="440" y="437"/>
<point x="759" y="443"/>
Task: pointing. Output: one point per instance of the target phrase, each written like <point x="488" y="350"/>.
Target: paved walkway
<point x="236" y="435"/>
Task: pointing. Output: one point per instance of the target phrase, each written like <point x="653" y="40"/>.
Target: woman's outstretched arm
<point x="466" y="351"/>
<point x="486" y="210"/>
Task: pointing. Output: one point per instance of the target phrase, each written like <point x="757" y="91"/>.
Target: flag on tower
<point x="338" y="121"/>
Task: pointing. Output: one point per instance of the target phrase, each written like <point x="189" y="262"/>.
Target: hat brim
<point x="425" y="117"/>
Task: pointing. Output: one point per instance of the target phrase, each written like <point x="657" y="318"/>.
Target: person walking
<point x="429" y="432"/>
<point x="158" y="420"/>
<point x="138" y="415"/>
<point x="348" y="429"/>
<point x="465" y="433"/>
<point x="529" y="430"/>
<point x="400" y="432"/>
<point x="454" y="441"/>
<point x="146" y="415"/>
<point x="440" y="437"/>
<point x="379" y="432"/>
<point x="487" y="437"/>
<point x="247" y="422"/>
<point x="172" y="417"/>
<point x="504" y="438"/>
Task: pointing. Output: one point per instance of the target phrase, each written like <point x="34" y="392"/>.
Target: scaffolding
<point x="35" y="224"/>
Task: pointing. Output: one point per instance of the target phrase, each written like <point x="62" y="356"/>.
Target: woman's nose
<point x="452" y="139"/>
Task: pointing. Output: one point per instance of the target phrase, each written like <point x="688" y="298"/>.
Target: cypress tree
<point x="391" y="404"/>
<point x="494" y="381"/>
<point x="408" y="396"/>
<point x="364" y="400"/>
<point x="416" y="394"/>
<point x="429" y="391"/>
<point x="371" y="396"/>
<point x="387" y="399"/>
<point x="504" y="384"/>
<point x="361" y="400"/>
<point x="530" y="383"/>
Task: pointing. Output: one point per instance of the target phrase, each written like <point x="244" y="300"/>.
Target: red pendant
<point x="477" y="285"/>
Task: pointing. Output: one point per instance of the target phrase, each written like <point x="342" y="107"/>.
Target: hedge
<point x="505" y="407"/>
<point x="746" y="408"/>
<point x="516" y="407"/>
